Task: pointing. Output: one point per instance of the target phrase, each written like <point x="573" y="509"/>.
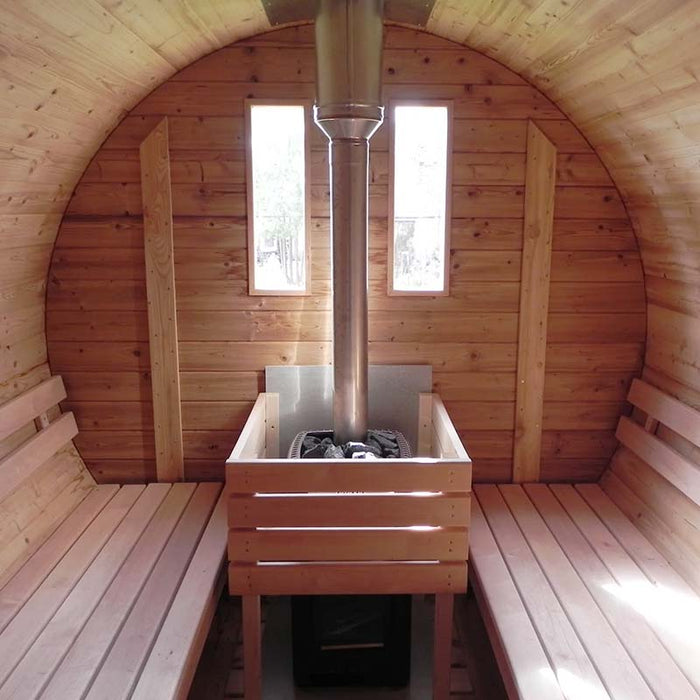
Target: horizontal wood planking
<point x="443" y="544"/>
<point x="302" y="325"/>
<point x="675" y="468"/>
<point x="97" y="293"/>
<point x="680" y="418"/>
<point x="230" y="264"/>
<point x="29" y="405"/>
<point x="229" y="295"/>
<point x="361" y="510"/>
<point x="34" y="510"/>
<point x="317" y="476"/>
<point x="443" y="577"/>
<point x="118" y="167"/>
<point x="21" y="463"/>
<point x="104" y="444"/>
<point x="468" y="233"/>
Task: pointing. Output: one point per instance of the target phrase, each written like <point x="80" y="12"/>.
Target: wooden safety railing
<point x="293" y="526"/>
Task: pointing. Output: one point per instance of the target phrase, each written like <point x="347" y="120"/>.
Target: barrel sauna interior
<point x="611" y="84"/>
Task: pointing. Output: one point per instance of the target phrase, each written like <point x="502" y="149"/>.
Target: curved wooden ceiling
<point x="625" y="71"/>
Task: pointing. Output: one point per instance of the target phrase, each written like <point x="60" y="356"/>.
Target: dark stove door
<point x="351" y="640"/>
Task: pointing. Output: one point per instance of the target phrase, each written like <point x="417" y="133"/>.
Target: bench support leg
<point x="252" y="639"/>
<point x="442" y="645"/>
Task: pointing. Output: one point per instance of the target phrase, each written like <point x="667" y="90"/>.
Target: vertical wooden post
<point x="160" y="288"/>
<point x="425" y="425"/>
<point x="442" y="645"/>
<point x="272" y="419"/>
<point x="534" y="303"/>
<point x="252" y="652"/>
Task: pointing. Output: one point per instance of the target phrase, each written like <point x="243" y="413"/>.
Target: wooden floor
<point x="474" y="673"/>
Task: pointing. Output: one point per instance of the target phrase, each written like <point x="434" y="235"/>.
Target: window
<point x="277" y="177"/>
<point x="418" y="206"/>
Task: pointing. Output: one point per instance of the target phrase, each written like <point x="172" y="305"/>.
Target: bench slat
<point x="26" y="626"/>
<point x="40" y="661"/>
<point x="72" y="678"/>
<point x="614" y="665"/>
<point x="671" y="623"/>
<point x="649" y="656"/>
<point x="354" y="545"/>
<point x="172" y="662"/>
<point x="26" y="407"/>
<point x="682" y="473"/>
<point x="119" y="673"/>
<point x="22" y="585"/>
<point x="521" y="658"/>
<point x="673" y="413"/>
<point x="20" y="464"/>
<point x="347" y="579"/>
<point x="336" y="476"/>
<point x="348" y="511"/>
<point x="564" y="649"/>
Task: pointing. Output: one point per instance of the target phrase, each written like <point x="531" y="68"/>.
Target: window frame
<point x="449" y="104"/>
<point x="306" y="104"/>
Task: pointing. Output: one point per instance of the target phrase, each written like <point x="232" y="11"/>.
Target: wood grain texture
<point x="653" y="476"/>
<point x="160" y="287"/>
<point x="97" y="303"/>
<point x="534" y="304"/>
<point x="65" y="612"/>
<point x="580" y="547"/>
<point x="27" y="406"/>
<point x="632" y="101"/>
<point x="348" y="579"/>
<point x="22" y="463"/>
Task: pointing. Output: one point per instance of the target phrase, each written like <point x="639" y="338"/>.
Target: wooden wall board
<point x="96" y="313"/>
<point x="160" y="289"/>
<point x="534" y="304"/>
<point x="621" y="75"/>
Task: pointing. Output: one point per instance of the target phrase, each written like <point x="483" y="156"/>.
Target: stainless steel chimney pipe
<point x="349" y="38"/>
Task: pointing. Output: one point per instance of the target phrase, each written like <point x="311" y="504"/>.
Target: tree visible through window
<point x="277" y="195"/>
<point x="418" y="240"/>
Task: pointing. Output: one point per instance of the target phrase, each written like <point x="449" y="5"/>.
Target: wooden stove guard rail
<point x="414" y="515"/>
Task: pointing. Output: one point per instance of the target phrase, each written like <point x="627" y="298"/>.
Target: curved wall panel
<point x="96" y="312"/>
<point x="625" y="72"/>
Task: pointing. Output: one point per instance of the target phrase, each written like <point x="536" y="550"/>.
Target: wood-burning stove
<point x="351" y="640"/>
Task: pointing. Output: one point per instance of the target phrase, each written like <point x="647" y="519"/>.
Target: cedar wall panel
<point x="96" y="308"/>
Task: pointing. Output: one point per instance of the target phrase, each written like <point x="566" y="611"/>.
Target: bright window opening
<point x="418" y="242"/>
<point x="277" y="198"/>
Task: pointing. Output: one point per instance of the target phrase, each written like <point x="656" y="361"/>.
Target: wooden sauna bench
<point x="386" y="498"/>
<point x="116" y="600"/>
<point x="577" y="601"/>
